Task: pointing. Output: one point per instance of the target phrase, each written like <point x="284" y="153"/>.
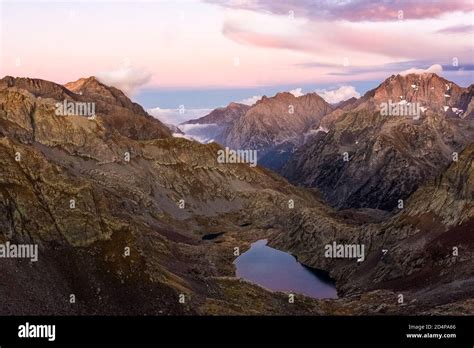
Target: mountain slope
<point x="275" y="126"/>
<point x="275" y="120"/>
<point x="428" y="245"/>
<point x="120" y="217"/>
<point x="368" y="160"/>
<point x="89" y="193"/>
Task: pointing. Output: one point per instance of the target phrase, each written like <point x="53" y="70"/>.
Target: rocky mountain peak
<point x="91" y="87"/>
<point x="116" y="112"/>
<point x="272" y="121"/>
<point x="379" y="147"/>
<point x="83" y="82"/>
<point x="37" y="87"/>
<point x="283" y="95"/>
<point x="234" y="105"/>
<point x="222" y="116"/>
<point x="428" y="90"/>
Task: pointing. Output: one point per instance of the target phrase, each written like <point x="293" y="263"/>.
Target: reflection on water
<point x="279" y="271"/>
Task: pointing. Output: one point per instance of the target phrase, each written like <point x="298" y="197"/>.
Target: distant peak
<point x="84" y="80"/>
<point x="284" y="94"/>
<point x="90" y="82"/>
<point x="234" y="105"/>
<point x="91" y="79"/>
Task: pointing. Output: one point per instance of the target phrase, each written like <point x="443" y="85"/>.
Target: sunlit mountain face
<point x="236" y="158"/>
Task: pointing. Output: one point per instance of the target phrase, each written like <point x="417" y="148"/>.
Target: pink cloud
<point x="457" y="29"/>
<point x="345" y="37"/>
<point x="353" y="11"/>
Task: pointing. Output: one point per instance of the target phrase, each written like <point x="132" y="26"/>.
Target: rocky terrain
<point x="424" y="252"/>
<point x="368" y="160"/>
<point x="273" y="126"/>
<point x="132" y="187"/>
<point x="119" y="209"/>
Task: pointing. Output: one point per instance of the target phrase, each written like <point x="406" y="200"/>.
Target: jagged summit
<point x="273" y="120"/>
<point x="222" y="116"/>
<point x="82" y="82"/>
<point x="37" y="87"/>
<point x="432" y="92"/>
<point x="387" y="156"/>
<point x="234" y="105"/>
<point x="114" y="110"/>
<point x="91" y="87"/>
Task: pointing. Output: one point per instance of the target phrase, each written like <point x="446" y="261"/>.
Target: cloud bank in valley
<point x="177" y="116"/>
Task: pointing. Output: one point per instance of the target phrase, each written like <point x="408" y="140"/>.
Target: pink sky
<point x="199" y="44"/>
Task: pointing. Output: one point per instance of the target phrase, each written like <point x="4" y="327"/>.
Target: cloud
<point x="364" y="43"/>
<point x="353" y="11"/>
<point x="435" y="68"/>
<point x="250" y="101"/>
<point x="337" y="95"/>
<point x="177" y="116"/>
<point x="128" y="79"/>
<point x="457" y="29"/>
<point x="297" y="92"/>
<point x="354" y="40"/>
<point x="203" y="133"/>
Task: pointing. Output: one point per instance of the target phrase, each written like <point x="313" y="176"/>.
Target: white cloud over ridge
<point x="297" y="92"/>
<point x="337" y="95"/>
<point x="128" y="79"/>
<point x="435" y="68"/>
<point x="250" y="101"/>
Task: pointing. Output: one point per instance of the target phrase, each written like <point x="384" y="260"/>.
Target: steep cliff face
<point x="370" y="160"/>
<point x="466" y="103"/>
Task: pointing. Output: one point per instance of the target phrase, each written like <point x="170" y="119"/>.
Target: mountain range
<point x="273" y="126"/>
<point x="351" y="152"/>
<point x="120" y="208"/>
